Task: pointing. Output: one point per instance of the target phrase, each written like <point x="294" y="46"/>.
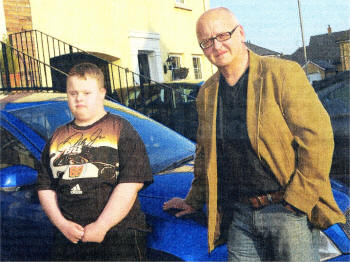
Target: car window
<point x="44" y="118"/>
<point x="13" y="152"/>
<point x="164" y="146"/>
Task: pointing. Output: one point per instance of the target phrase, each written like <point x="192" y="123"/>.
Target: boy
<point x="93" y="168"/>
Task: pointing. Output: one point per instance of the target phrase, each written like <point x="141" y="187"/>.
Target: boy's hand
<point x="72" y="231"/>
<point x="94" y="232"/>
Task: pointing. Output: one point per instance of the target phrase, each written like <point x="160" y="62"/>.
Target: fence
<point x="33" y="60"/>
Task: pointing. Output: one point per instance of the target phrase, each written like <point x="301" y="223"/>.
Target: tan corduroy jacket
<point x="289" y="130"/>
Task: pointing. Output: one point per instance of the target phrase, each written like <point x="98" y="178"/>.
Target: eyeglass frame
<point x="211" y="39"/>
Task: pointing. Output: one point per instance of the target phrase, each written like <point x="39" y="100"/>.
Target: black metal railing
<point x="129" y="88"/>
<point x="35" y="60"/>
<point x="20" y="71"/>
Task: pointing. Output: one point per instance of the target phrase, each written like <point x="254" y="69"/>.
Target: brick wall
<point x="17" y="15"/>
<point x="18" y="18"/>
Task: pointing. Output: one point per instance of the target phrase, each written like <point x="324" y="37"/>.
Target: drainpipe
<point x="204" y="5"/>
<point x="302" y="37"/>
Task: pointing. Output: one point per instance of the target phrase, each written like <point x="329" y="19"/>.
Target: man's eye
<point x="221" y="36"/>
<point x="205" y="42"/>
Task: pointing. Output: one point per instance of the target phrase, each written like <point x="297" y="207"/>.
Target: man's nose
<point x="216" y="43"/>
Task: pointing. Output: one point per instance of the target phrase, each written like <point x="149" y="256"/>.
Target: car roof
<point x="33" y="97"/>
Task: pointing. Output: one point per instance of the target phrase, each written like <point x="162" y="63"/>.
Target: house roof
<point x="261" y="50"/>
<point x="324" y="47"/>
<point x="343" y="36"/>
<point x="324" y="64"/>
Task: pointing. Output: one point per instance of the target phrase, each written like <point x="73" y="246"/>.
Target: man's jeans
<point x="272" y="233"/>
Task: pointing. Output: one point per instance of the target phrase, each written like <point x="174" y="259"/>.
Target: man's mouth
<point x="220" y="53"/>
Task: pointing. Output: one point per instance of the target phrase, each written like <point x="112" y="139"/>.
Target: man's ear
<point x="242" y="33"/>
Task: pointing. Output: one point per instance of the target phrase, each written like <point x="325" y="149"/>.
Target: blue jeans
<point x="272" y="233"/>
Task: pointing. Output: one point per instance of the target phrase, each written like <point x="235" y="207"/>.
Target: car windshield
<point x="335" y="99"/>
<point x="165" y="147"/>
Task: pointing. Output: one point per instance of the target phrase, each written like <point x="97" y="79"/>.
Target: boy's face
<point x="85" y="99"/>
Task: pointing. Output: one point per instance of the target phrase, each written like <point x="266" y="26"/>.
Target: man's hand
<point x="72" y="231"/>
<point x="178" y="203"/>
<point x="94" y="232"/>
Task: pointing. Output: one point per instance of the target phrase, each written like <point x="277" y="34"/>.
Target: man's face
<point x="221" y="53"/>
<point x="85" y="99"/>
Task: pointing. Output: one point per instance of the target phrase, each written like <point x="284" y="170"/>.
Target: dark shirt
<point x="85" y="164"/>
<point x="240" y="172"/>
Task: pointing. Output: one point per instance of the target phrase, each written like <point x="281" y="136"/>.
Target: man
<point x="93" y="168"/>
<point x="264" y="150"/>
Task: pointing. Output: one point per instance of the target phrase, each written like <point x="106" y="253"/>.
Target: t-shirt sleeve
<point x="45" y="178"/>
<point x="134" y="165"/>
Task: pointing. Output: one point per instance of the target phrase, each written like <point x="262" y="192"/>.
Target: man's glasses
<point x="220" y="37"/>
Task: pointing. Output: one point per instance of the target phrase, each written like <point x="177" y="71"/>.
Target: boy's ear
<point x="103" y="90"/>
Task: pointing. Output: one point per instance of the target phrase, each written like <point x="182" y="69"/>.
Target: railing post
<point x="6" y="66"/>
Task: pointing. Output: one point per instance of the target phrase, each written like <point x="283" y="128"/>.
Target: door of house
<point x="143" y="67"/>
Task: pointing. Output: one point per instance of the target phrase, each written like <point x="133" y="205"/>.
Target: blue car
<point x="28" y="120"/>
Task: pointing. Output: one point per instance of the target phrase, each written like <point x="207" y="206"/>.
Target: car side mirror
<point x="14" y="177"/>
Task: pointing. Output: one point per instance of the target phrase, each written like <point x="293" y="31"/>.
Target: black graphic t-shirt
<point x="84" y="165"/>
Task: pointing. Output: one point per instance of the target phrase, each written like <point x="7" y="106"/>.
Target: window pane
<point x="13" y="152"/>
<point x="43" y="118"/>
<point x="197" y="67"/>
<point x="175" y="60"/>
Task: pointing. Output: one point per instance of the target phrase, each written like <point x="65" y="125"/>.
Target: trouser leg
<point x="129" y="245"/>
<point x="291" y="236"/>
<point x="272" y="233"/>
<point x="243" y="244"/>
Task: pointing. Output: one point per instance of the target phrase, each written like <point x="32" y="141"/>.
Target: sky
<point x="275" y="24"/>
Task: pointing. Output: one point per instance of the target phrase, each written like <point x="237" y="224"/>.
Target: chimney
<point x="329" y="29"/>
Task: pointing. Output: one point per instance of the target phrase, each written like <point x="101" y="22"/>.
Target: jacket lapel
<point x="255" y="81"/>
<point x="211" y="97"/>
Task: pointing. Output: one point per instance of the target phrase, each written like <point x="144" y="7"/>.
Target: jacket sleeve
<point x="311" y="127"/>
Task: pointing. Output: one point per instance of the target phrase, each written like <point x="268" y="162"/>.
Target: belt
<point x="264" y="200"/>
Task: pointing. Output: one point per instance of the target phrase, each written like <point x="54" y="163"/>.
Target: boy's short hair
<point x="82" y="70"/>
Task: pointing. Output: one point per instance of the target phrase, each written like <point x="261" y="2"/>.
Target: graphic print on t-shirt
<point x="84" y="154"/>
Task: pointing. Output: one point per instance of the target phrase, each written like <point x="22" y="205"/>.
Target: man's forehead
<point x="212" y="26"/>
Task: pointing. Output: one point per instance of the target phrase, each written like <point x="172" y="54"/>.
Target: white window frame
<point x="181" y="4"/>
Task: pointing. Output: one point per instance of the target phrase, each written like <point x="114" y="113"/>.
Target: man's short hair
<point x="82" y="70"/>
